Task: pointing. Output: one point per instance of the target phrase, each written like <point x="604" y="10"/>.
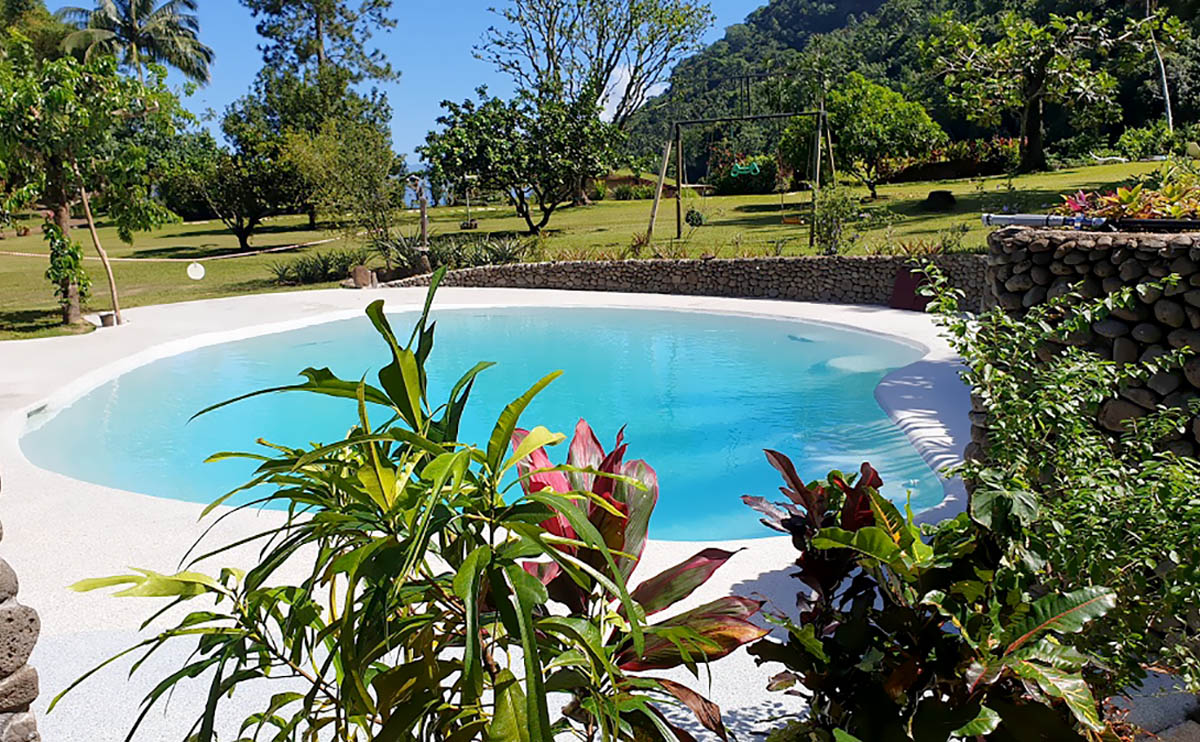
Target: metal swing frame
<point x="681" y="176"/>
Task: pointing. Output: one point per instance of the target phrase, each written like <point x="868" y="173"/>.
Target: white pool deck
<point x="58" y="530"/>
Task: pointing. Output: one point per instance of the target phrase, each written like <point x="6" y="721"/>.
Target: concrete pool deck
<point x="58" y="530"/>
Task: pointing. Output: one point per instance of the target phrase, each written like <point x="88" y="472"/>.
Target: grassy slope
<point x="738" y="225"/>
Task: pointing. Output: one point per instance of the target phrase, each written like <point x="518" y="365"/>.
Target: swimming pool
<point x="701" y="395"/>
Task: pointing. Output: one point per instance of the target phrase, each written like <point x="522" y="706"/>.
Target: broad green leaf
<point x="529" y="592"/>
<point x="1064" y="614"/>
<point x="840" y="736"/>
<point x="380" y="484"/>
<point x="1069" y="687"/>
<point x="510" y="723"/>
<point x="871" y="541"/>
<point x="981" y="725"/>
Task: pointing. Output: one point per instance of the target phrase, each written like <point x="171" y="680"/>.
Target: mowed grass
<point x="737" y="226"/>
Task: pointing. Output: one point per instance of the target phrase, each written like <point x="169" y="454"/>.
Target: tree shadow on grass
<point x="31" y="323"/>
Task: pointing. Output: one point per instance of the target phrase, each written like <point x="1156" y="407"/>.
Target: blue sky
<point x="431" y="46"/>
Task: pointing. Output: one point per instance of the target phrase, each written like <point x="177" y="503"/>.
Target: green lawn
<point x="737" y="226"/>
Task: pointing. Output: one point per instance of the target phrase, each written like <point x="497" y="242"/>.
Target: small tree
<point x="1026" y="65"/>
<point x="351" y="166"/>
<point x="533" y="148"/>
<point x="64" y="129"/>
<point x="874" y="126"/>
<point x="246" y="183"/>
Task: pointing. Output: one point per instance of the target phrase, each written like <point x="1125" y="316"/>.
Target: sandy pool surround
<point x="59" y="530"/>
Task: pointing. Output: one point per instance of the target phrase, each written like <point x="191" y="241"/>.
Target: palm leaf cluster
<point x="139" y="33"/>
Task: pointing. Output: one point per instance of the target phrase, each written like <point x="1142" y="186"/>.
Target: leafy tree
<point x="873" y="126"/>
<point x="535" y="149"/>
<point x="609" y="53"/>
<point x="140" y="33"/>
<point x="353" y="171"/>
<point x="245" y="183"/>
<point x="35" y="26"/>
<point x="1021" y="68"/>
<point x="60" y="127"/>
<point x="324" y="34"/>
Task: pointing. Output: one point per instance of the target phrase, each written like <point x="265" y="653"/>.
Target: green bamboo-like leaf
<point x="507" y="422"/>
<point x="1064" y="614"/>
<point x="613" y="582"/>
<point x="319" y="381"/>
<point x="466" y="587"/>
<point x="529" y="592"/>
<point x="539" y="437"/>
<point x="401" y="379"/>
<point x="510" y="723"/>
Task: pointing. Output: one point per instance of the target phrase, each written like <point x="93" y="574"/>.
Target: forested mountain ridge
<point x="815" y="44"/>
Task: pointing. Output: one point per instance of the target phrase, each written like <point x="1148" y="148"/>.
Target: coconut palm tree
<point x="141" y="33"/>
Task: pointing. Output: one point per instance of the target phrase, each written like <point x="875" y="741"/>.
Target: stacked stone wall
<point x="868" y="279"/>
<point x="19" y="628"/>
<point x="1027" y="266"/>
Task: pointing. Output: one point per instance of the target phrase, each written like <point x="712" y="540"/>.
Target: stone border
<point x="864" y="279"/>
<point x="19" y="629"/>
<point x="1028" y="266"/>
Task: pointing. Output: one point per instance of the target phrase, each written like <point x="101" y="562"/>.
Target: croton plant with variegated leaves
<point x="620" y="498"/>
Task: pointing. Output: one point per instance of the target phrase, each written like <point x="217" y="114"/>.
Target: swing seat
<point x="792" y="220"/>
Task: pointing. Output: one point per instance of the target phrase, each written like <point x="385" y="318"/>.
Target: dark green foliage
<point x="140" y="34"/>
<point x="1115" y="510"/>
<point x="919" y="634"/>
<point x="66" y="265"/>
<point x="324" y="34"/>
<point x="536" y="148"/>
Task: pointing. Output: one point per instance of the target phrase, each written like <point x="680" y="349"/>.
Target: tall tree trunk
<point x="60" y="202"/>
<point x="319" y="29"/>
<point x="112" y="283"/>
<point x="312" y="216"/>
<point x="1033" y="145"/>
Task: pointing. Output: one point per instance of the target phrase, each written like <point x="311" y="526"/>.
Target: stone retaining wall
<point x="19" y="628"/>
<point x="843" y="279"/>
<point x="1026" y="266"/>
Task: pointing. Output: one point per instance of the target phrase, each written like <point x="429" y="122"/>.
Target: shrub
<point x="623" y="192"/>
<point x="427" y="610"/>
<point x="66" y="265"/>
<point x="643" y="192"/>
<point x="319" y="267"/>
<point x="836" y="207"/>
<point x="1115" y="510"/>
<point x="1140" y="143"/>
<point x="599" y="191"/>
<point x="923" y="636"/>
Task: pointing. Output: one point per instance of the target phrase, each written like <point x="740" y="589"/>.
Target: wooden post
<point x="87" y="212"/>
<point x="680" y="180"/>
<point x="816" y="182"/>
<point x="419" y="187"/>
<point x="662" y="177"/>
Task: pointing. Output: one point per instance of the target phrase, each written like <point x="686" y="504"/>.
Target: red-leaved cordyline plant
<point x="620" y="496"/>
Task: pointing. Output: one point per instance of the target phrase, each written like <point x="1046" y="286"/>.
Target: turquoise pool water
<point x="701" y="396"/>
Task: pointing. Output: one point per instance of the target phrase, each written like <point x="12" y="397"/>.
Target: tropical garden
<point x="460" y="590"/>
